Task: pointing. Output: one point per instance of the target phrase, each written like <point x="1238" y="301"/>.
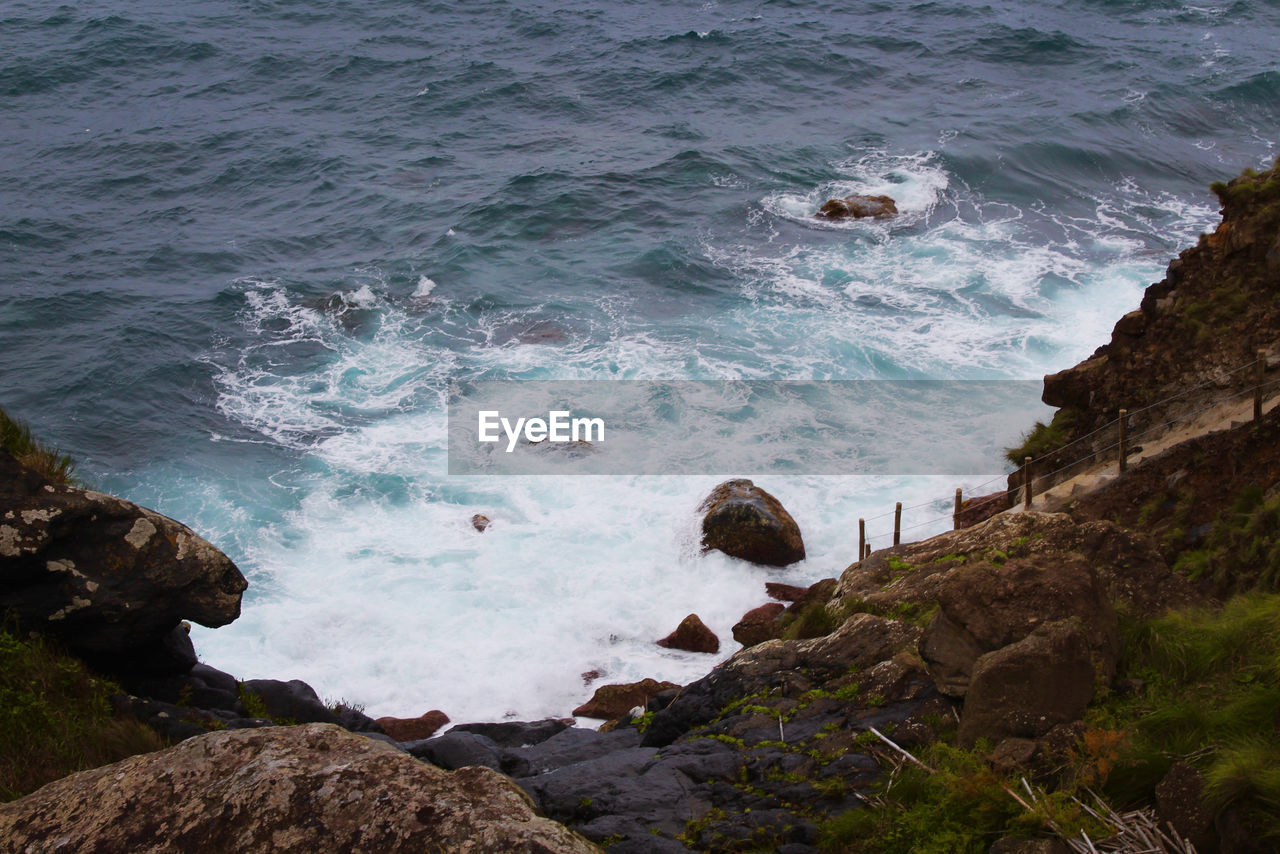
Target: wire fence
<point x="1034" y="482"/>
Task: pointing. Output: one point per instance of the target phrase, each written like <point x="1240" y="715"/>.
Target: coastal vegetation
<point x="56" y="716"/>
<point x="16" y="438"/>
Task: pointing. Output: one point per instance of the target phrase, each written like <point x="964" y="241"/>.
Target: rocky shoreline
<point x="1011" y="649"/>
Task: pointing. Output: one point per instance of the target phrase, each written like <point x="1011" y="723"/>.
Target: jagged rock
<point x="759" y="624"/>
<point x="744" y="521"/>
<point x="106" y="577"/>
<point x="480" y="522"/>
<point x="692" y="635"/>
<point x="790" y="666"/>
<point x="414" y="729"/>
<point x="457" y="749"/>
<point x="857" y="207"/>
<point x="281" y="789"/>
<point x="995" y="582"/>
<point x="567" y="747"/>
<point x="613" y="701"/>
<point x="1026" y="688"/>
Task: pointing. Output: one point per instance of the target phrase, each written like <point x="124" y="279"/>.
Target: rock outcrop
<point x="744" y="521"/>
<point x="613" y="701"/>
<point x="109" y="579"/>
<point x="281" y="789"/>
<point x="858" y="207"/>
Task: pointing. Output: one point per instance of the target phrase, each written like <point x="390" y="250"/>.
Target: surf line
<point x="558" y="426"/>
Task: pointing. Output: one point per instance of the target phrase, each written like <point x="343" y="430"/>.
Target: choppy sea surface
<point x="246" y="247"/>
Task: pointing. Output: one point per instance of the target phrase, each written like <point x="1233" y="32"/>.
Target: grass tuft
<point x="16" y="438"/>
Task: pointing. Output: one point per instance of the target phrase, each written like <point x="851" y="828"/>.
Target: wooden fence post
<point x="1026" y="483"/>
<point x="1124" y="440"/>
<point x="955" y="514"/>
<point x="1259" y="373"/>
<point x="897" y="523"/>
<point x="862" y="538"/>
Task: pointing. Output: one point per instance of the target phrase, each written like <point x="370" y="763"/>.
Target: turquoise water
<point x="560" y="191"/>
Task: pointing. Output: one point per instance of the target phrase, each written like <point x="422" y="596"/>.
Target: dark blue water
<point x="244" y="247"/>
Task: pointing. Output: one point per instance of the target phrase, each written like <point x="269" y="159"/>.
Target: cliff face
<point x="1218" y="305"/>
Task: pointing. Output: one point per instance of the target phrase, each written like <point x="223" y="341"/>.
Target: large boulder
<point x="106" y="577"/>
<point x="281" y="789"/>
<point x="1027" y="688"/>
<point x="743" y="521"/>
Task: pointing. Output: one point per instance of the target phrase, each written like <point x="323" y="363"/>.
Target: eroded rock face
<point x="744" y="521"/>
<point x="102" y="574"/>
<point x="281" y="789"/>
<point x="858" y="207"/>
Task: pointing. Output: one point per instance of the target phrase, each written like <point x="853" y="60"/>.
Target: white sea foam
<point x="369" y="581"/>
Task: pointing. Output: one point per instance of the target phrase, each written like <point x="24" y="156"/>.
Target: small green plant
<point x="1044" y="438"/>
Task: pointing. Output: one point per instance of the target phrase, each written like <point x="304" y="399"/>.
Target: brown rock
<point x="744" y="521"/>
<point x="1012" y="754"/>
<point x="480" y="522"/>
<point x="857" y="207"/>
<point x="1027" y="845"/>
<point x="759" y="624"/>
<point x="692" y="635"/>
<point x="784" y="592"/>
<point x="281" y="789"/>
<point x="981" y="508"/>
<point x="412" y="729"/>
<point x="614" y="701"/>
<point x="1028" y="687"/>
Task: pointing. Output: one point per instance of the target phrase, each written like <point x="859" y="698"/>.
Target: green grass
<point x="1211" y="696"/>
<point x="16" y="438"/>
<point x="1242" y="549"/>
<point x="1043" y="438"/>
<point x="55" y="718"/>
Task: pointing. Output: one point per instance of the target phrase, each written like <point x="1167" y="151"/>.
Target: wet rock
<point x="109" y="579"/>
<point x="785" y="592"/>
<point x="480" y="522"/>
<point x="457" y="749"/>
<point x="281" y="789"/>
<point x="857" y="207"/>
<point x="759" y="624"/>
<point x="518" y="733"/>
<point x="692" y="635"/>
<point x="413" y="729"/>
<point x="1027" y="688"/>
<point x="744" y="521"/>
<point x="614" y="701"/>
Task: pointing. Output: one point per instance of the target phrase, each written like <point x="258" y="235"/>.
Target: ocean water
<point x="247" y="247"/>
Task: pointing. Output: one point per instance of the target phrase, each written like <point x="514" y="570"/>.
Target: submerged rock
<point x="281" y="789"/>
<point x="858" y="207"/>
<point x="744" y="521"/>
<point x="109" y="579"/>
